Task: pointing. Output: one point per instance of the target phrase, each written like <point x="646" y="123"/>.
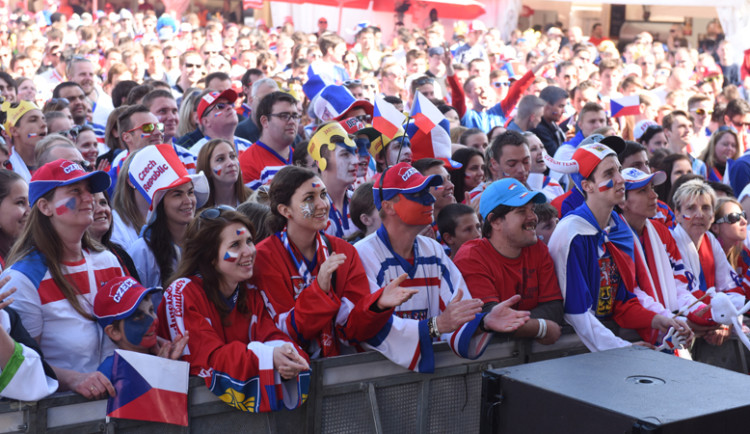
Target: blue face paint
<point x="423" y="197"/>
<point x="137" y="325"/>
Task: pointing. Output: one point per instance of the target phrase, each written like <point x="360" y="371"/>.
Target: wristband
<point x="433" y="327"/>
<point x="542" y="328"/>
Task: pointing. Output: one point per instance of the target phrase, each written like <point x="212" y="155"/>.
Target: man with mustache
<point x="509" y="259"/>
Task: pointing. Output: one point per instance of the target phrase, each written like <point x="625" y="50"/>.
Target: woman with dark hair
<point x="470" y="175"/>
<point x="653" y="138"/>
<point x="218" y="159"/>
<point x="674" y="165"/>
<point x="730" y="229"/>
<point x="58" y="269"/>
<point x="722" y="147"/>
<point x="315" y="284"/>
<point x="159" y="175"/>
<point x="234" y="344"/>
<point x="101" y="231"/>
<point x="14" y="210"/>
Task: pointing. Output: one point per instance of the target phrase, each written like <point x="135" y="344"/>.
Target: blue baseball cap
<point x="507" y="191"/>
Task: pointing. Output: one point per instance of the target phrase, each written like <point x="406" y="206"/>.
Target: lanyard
<point x="339" y="219"/>
<point x="304" y="268"/>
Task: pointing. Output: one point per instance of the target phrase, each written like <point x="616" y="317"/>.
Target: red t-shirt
<point x="491" y="276"/>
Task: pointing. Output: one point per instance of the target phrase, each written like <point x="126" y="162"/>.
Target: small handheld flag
<point x="149" y="388"/>
<point x="624" y="106"/>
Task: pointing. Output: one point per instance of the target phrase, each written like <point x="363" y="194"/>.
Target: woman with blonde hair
<point x="722" y="146"/>
<point x="218" y="160"/>
<point x="129" y="209"/>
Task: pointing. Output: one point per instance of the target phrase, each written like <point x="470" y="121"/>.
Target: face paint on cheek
<point x="307" y="210"/>
<point x="413" y="213"/>
<point x="32" y="135"/>
<point x="606" y="185"/>
<point x="135" y="330"/>
<point x="65" y="205"/>
<point x="217" y="171"/>
<point x="231" y="256"/>
<point x="687" y="217"/>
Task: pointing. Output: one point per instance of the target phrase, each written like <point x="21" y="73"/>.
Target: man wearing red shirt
<point x="509" y="259"/>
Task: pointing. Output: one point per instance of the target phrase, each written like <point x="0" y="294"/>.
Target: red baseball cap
<point x="118" y="299"/>
<point x="209" y="100"/>
<point x="401" y="178"/>
<point x="64" y="172"/>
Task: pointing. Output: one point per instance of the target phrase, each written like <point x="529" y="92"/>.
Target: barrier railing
<point x="354" y="393"/>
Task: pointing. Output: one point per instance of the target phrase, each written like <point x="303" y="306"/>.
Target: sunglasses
<point x="73" y="132"/>
<point x="148" y="128"/>
<point x="355" y="82"/>
<point x="193" y="65"/>
<point x="215" y="212"/>
<point x="732" y="218"/>
<point x="422" y="81"/>
<point x="219" y="106"/>
<point x="702" y="112"/>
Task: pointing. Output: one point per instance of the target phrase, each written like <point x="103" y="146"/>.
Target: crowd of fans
<point x="248" y="173"/>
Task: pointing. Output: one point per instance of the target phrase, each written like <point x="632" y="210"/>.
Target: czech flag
<point x="624" y="106"/>
<point x="435" y="143"/>
<point x="386" y="118"/>
<point x="149" y="388"/>
<point x="426" y="116"/>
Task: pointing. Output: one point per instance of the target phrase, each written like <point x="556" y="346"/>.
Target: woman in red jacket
<point x="234" y="345"/>
<point x="314" y="284"/>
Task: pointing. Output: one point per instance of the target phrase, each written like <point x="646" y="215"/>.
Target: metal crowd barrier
<point x="359" y="393"/>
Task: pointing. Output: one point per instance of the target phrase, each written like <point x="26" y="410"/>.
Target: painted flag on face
<point x="67" y="204"/>
<point x="230" y="256"/>
<point x="606" y="185"/>
<point x="386" y="118"/>
<point x="149" y="388"/>
<point x="624" y="106"/>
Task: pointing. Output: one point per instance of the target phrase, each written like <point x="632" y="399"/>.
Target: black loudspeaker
<point x="627" y="390"/>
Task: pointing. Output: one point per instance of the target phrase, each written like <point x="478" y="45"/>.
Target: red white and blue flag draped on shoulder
<point x="149" y="388"/>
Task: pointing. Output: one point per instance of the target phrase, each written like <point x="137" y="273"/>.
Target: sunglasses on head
<point x="215" y="212"/>
<point x="732" y="218"/>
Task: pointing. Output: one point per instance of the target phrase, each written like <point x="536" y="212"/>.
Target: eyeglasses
<point x="212" y="213"/>
<point x="193" y="65"/>
<point x="286" y="116"/>
<point x="148" y="128"/>
<point x="744" y="125"/>
<point x="732" y="218"/>
<point x="499" y="84"/>
<point x="355" y="82"/>
<point x="702" y="112"/>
